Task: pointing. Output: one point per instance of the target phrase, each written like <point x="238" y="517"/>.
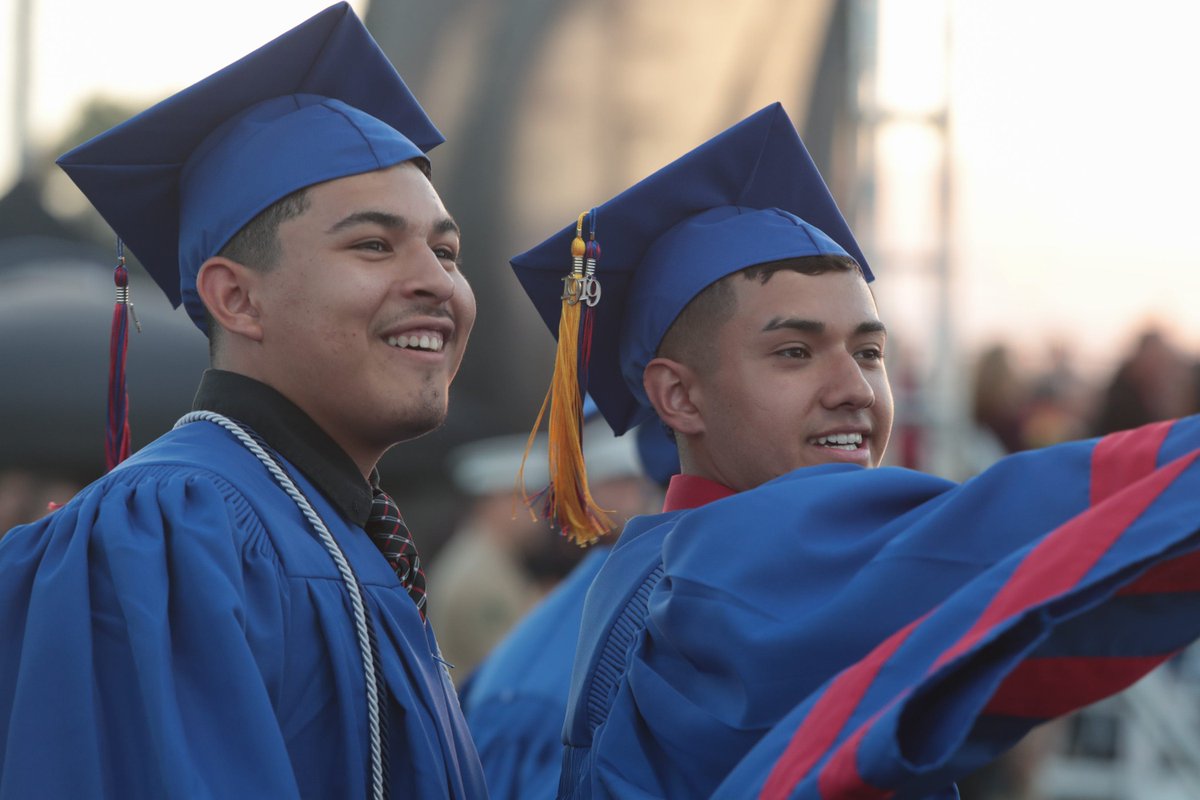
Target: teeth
<point x="426" y="341"/>
<point x="843" y="441"/>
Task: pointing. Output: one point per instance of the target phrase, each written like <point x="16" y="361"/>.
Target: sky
<point x="1073" y="169"/>
<point x="82" y="49"/>
<point x="1072" y="136"/>
<point x="1078" y="167"/>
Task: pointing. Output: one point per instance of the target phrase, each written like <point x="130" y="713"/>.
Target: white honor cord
<point x="335" y="552"/>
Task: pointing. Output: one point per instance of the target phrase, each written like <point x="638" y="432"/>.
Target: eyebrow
<point x="390" y="221"/>
<point x="381" y="218"/>
<point x="447" y="225"/>
<point x="817" y="328"/>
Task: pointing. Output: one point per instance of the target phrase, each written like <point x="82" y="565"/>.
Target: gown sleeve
<point x="767" y="596"/>
<point x="1063" y="622"/>
<point x="141" y="627"/>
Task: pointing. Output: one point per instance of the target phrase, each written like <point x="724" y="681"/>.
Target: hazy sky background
<point x="1074" y="130"/>
<point x="1077" y="168"/>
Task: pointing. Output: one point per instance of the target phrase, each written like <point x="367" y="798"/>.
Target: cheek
<point x="883" y="389"/>
<point x="884" y="403"/>
<point x="349" y="305"/>
<point x="464" y="302"/>
<point x="327" y="323"/>
<point x="761" y="413"/>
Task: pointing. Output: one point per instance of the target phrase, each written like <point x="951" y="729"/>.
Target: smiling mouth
<point x="427" y="342"/>
<point x="839" y="441"/>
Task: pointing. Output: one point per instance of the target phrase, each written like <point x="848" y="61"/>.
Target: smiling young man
<point x="362" y="319"/>
<point x="238" y="610"/>
<point x="734" y="307"/>
<point x="775" y="367"/>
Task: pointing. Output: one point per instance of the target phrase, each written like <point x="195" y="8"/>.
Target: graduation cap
<point x="748" y="196"/>
<point x="179" y="180"/>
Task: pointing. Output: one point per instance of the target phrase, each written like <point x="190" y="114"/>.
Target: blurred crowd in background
<point x="1022" y="408"/>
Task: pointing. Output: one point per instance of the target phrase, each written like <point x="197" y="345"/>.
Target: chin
<point x="417" y="422"/>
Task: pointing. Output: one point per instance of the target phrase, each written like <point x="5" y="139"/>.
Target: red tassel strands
<point x="589" y="294"/>
<point x="116" y="442"/>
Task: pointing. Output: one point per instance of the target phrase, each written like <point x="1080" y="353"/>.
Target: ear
<point x="673" y="391"/>
<point x="227" y="291"/>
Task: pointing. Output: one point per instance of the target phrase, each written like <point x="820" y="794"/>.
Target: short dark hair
<point x="256" y="245"/>
<point x="689" y="339"/>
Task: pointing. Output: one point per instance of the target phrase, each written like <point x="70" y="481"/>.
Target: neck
<point x="694" y="461"/>
<point x="365" y="456"/>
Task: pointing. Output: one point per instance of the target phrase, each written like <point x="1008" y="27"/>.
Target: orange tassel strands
<point x="568" y="499"/>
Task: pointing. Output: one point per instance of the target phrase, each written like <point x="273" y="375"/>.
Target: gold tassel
<point x="568" y="498"/>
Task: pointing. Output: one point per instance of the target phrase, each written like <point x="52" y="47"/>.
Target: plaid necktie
<point x="387" y="529"/>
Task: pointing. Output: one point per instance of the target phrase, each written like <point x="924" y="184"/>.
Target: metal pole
<point x="950" y="427"/>
<point x="23" y="79"/>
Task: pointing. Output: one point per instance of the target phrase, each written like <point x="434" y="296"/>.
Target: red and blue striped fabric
<point x="1068" y="619"/>
<point x="766" y="597"/>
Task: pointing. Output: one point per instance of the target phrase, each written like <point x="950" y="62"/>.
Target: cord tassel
<point x="116" y="443"/>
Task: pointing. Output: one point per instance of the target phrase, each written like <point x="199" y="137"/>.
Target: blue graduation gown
<point x="706" y="627"/>
<point x="1063" y="622"/>
<point x="516" y="700"/>
<point x="1008" y="651"/>
<point x="177" y="630"/>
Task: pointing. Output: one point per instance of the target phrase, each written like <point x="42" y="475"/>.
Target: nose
<point x="846" y="385"/>
<point x="424" y="277"/>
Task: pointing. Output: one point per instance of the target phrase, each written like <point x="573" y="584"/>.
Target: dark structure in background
<point x="56" y="296"/>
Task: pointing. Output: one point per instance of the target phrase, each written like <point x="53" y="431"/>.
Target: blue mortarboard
<point x="177" y="181"/>
<point x="750" y="195"/>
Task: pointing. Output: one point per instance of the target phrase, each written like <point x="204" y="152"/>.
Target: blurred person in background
<point x="1154" y="382"/>
<point x="27" y="495"/>
<point x="998" y="398"/>
<point x="483" y="585"/>
<point x="1058" y="403"/>
<point x="1024" y="412"/>
<point x="1061" y="379"/>
<point x="516" y="700"/>
<point x="500" y="561"/>
<point x="238" y="610"/>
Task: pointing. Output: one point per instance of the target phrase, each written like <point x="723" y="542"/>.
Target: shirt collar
<point x="692" y="491"/>
<point x="292" y="434"/>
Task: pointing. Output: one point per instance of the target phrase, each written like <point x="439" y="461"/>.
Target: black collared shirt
<point x="292" y="434"/>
